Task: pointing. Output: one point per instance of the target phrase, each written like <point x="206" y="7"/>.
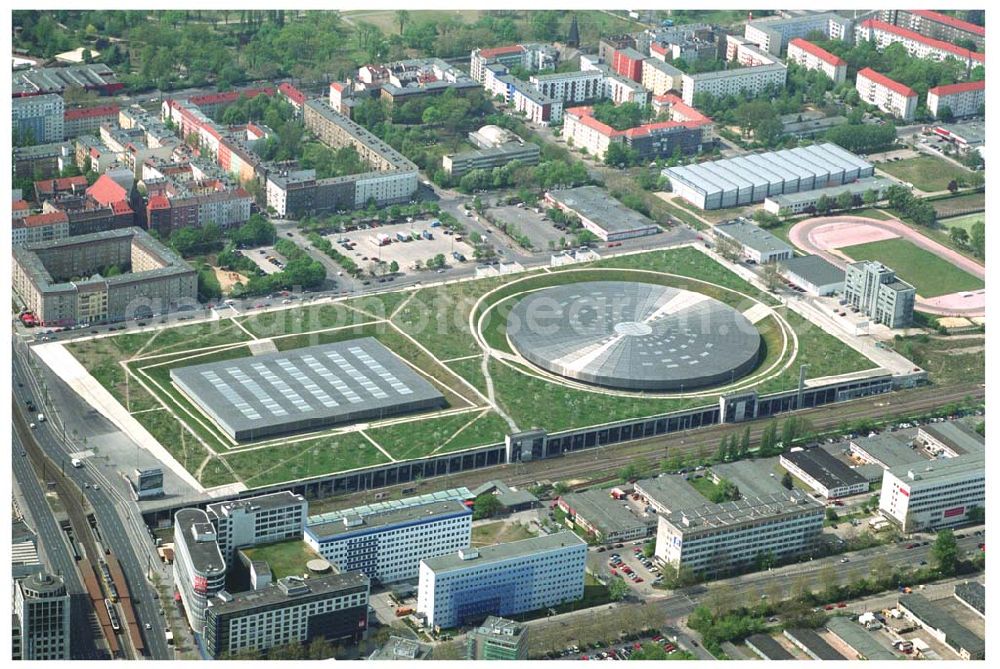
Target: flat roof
<point x="398" y="648"/>
<point x="859" y="186"/>
<point x="505" y="494"/>
<point x="970" y="133"/>
<point x="931" y="470"/>
<point x="725" y="514"/>
<point x="860" y="639"/>
<point x="956" y="436"/>
<point x="972" y="593"/>
<point x="956" y="634"/>
<point x="813" y="269"/>
<point x="671" y="491"/>
<point x="768" y="648"/>
<point x="825" y="468"/>
<point x="752" y="477"/>
<point x="275" y="500"/>
<point x="305" y="388"/>
<point x="888" y="449"/>
<point x="814" y="643"/>
<point x="368" y="523"/>
<point x="206" y="557"/>
<point x="605" y="211"/>
<point x="606" y="514"/>
<point x="753" y="236"/>
<point x="287" y="590"/>
<point x="461" y="494"/>
<point x="500" y="552"/>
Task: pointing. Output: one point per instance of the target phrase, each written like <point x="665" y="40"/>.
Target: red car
<point x="828" y="607"/>
<point x="614" y="572"/>
<point x="842" y="605"/>
<point x="639" y="579"/>
<point x="637" y="645"/>
<point x="584" y="657"/>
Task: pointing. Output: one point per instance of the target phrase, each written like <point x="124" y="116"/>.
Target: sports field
<point x="926" y="173"/>
<point x="965" y="222"/>
<point x="930" y="275"/>
<point x="442" y="332"/>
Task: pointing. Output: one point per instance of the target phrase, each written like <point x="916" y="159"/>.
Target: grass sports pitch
<point x="926" y="173"/>
<point x="930" y="275"/>
<point x="432" y="330"/>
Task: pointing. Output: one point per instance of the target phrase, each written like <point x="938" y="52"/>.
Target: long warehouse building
<point x="748" y="179"/>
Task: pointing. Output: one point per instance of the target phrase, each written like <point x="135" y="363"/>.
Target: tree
<point x="786" y="480"/>
<point x="845" y="200"/>
<point x="650" y="651"/>
<point x="959" y="235"/>
<point x="629" y="472"/>
<point x="728" y="248"/>
<point x="617" y="588"/>
<point x="723" y="454"/>
<point x="944" y="552"/>
<point x="486" y="506"/>
<point x="831" y="515"/>
<point x="977" y="239"/>
<point x="402" y="17"/>
<point x="953" y="186"/>
<point x="320" y="649"/>
<point x="823" y="205"/>
<point x="870" y="197"/>
<point x="393" y="267"/>
<point x="772" y="276"/>
<point x="745" y="442"/>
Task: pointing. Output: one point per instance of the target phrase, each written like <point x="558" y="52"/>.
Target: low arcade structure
<point x="306" y="388"/>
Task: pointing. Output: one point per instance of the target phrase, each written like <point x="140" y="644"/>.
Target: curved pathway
<point x="809" y="235"/>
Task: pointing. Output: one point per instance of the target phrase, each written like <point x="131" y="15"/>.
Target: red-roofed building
<point x="890" y="96"/>
<point x="78" y="122"/>
<point x="40" y="228"/>
<point x="965" y="99"/>
<point x="49" y="188"/>
<point x="687" y="131"/>
<point x="108" y="193"/>
<point x="20" y="209"/>
<point x="813" y="57"/>
<point x="936" y="25"/>
<point x="296" y="97"/>
<point x="508" y="56"/>
<point x="212" y="102"/>
<point x="919" y="46"/>
<point x="158" y="213"/>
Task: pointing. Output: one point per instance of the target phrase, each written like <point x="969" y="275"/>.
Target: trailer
<point x="402" y="237"/>
<point x="426" y="234"/>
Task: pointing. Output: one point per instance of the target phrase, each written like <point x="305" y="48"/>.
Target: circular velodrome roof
<point x="634" y="336"/>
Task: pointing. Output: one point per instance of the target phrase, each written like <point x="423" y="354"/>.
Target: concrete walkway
<point x="69" y="369"/>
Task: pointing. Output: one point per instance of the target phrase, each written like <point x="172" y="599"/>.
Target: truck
<point x="41" y="418"/>
<point x="426" y="234"/>
<point x="414" y="235"/>
<point x="381" y="239"/>
<point x="402" y="237"/>
<point x="76" y="462"/>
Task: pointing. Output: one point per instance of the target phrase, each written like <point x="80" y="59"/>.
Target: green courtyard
<point x="930" y="275"/>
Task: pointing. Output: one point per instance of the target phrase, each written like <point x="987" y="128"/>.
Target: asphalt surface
<point x="122" y="535"/>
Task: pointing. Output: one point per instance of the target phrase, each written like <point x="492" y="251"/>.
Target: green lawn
<point x="418" y="438"/>
<point x="287" y="462"/>
<point x="926" y="173"/>
<point x="499" y="532"/>
<point x="286" y="558"/>
<point x="966" y="222"/>
<point x="929" y="274"/>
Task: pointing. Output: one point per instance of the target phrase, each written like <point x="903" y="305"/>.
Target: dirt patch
<point x="228" y="279"/>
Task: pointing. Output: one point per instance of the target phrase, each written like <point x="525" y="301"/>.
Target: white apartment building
<point x="570" y="86"/>
<point x="393" y="186"/>
<point x="536" y="107"/>
<point x="42" y="617"/>
<point x="773" y="34"/>
<point x="39" y="118"/>
<point x="938" y="493"/>
<point x="752" y="80"/>
<point x="619" y="89"/>
<point x="388" y="544"/>
<point x="811" y="57"/>
<point x="716" y="537"/>
<point x="890" y="96"/>
<point x="257" y="520"/>
<point x="964" y="99"/>
<point x="883" y="34"/>
<point x="199" y="567"/>
<point x="502" y="580"/>
<point x="658" y="77"/>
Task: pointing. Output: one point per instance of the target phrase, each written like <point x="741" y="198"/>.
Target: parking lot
<point x="367" y="253"/>
<point x="627" y="560"/>
<point x="526" y="221"/>
<point x="262" y="258"/>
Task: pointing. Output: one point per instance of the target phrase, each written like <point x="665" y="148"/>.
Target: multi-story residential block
<point x="157" y="278"/>
<point x="527" y="56"/>
<point x="650" y="141"/>
<point x="292" y="611"/>
<point x="607" y="46"/>
<point x="773" y="34"/>
<point x="501" y="580"/>
<point x="813" y="57"/>
<point x="688" y="42"/>
<point x="965" y="99"/>
<point x="934" y="493"/>
<point x="620" y="89"/>
<point x="874" y="289"/>
<point x="739" y="81"/>
<point x="936" y="25"/>
<point x="20" y="209"/>
<point x="40" y="228"/>
<point x="42" y="617"/>
<point x="48" y="189"/>
<point x="658" y="76"/>
<point x="414" y="79"/>
<point x="570" y="87"/>
<point x="714" y="538"/>
<point x="294" y="96"/>
<point x="888" y="95"/>
<point x="883" y="34"/>
<point x="38" y="119"/>
<point x="41" y="161"/>
<point x="88" y="120"/>
<point x="746" y="53"/>
<point x="497" y="639"/>
<point x="536" y="106"/>
<point x="627" y="62"/>
<point x="387" y="545"/>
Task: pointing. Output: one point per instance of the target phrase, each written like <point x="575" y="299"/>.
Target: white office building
<point x="387" y="544"/>
<point x="42" y="617"/>
<point x="813" y="57"/>
<point x="935" y="494"/>
<point x="716" y="537"/>
<point x="964" y="99"/>
<point x="257" y="520"/>
<point x="199" y="568"/>
<point x="887" y="94"/>
<point x="502" y="580"/>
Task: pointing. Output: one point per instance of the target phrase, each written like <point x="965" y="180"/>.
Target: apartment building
<point x="936" y="25"/>
<point x="935" y="493"/>
<point x="658" y="76"/>
<point x="888" y="95"/>
<point x="650" y="140"/>
<point x="874" y="289"/>
<point x="621" y="89"/>
<point x="882" y="34"/>
<point x="292" y="611"/>
<point x="43" y="160"/>
<point x="40" y="228"/>
<point x="773" y="34"/>
<point x="627" y="62"/>
<point x="536" y="106"/>
<point x="716" y="537"/>
<point x="965" y="99"/>
<point x="501" y="580"/>
<point x="387" y="545"/>
<point x="89" y="120"/>
<point x="813" y="57"/>
<point x="294" y="96"/>
<point x="740" y="81"/>
<point x="37" y="119"/>
<point x="41" y="617"/>
<point x="527" y="56"/>
<point x="570" y="87"/>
